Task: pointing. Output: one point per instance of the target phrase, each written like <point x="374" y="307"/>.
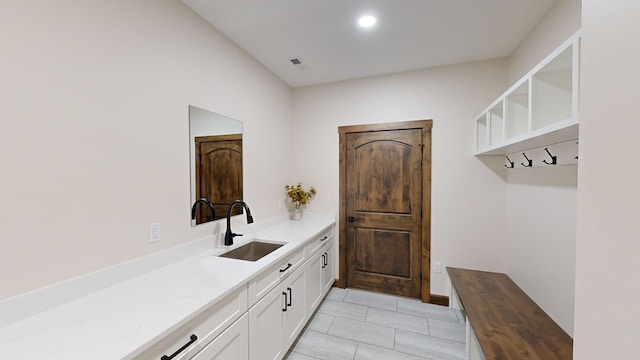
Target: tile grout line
<point x="395" y="331"/>
<point x="333" y="318"/>
<point x="356" y="352"/>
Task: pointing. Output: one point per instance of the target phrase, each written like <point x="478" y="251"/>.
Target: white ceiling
<point x="409" y="34"/>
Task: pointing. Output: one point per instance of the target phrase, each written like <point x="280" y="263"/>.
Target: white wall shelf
<point x="538" y="110"/>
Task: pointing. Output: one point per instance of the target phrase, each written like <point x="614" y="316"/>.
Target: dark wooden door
<point x="383" y="209"/>
<point x="218" y="173"/>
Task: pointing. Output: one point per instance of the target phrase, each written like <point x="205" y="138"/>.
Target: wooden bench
<point x="506" y="323"/>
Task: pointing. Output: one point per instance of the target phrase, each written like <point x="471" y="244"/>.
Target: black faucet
<point x="203" y="201"/>
<point x="228" y="236"/>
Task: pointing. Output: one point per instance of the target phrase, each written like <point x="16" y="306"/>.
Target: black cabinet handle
<point x="192" y="339"/>
<point x="324" y="238"/>
<point x="350" y="219"/>
<point x="285" y="269"/>
<point x="290" y="297"/>
<point x="323" y="260"/>
<point x="285" y="301"/>
<point x="326" y="259"/>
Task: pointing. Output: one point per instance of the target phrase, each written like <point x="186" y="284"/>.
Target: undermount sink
<point x="252" y="251"/>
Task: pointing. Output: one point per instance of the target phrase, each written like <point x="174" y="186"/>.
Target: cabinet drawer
<point x="197" y="333"/>
<point x="232" y="344"/>
<point x="319" y="241"/>
<point x="261" y="285"/>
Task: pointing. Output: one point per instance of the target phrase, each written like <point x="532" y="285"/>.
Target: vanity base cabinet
<point x="277" y="320"/>
<point x="232" y="344"/>
<point x="262" y="320"/>
<point x="192" y="337"/>
<point x="265" y="327"/>
<point x="315" y="283"/>
<point x="294" y="319"/>
<point x="319" y="275"/>
<point x="327" y="272"/>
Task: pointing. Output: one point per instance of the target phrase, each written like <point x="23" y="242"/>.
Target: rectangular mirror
<point x="215" y="143"/>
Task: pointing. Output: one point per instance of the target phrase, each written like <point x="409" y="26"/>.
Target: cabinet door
<point x="232" y="344"/>
<point x="327" y="276"/>
<point x="315" y="282"/>
<point x="265" y="327"/>
<point x="295" y="316"/>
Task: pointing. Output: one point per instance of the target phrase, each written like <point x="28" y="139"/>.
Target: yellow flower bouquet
<point x="298" y="195"/>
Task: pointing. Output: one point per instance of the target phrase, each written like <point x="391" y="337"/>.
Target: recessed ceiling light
<point x="367" y="21"/>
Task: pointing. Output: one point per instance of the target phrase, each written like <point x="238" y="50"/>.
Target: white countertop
<point x="122" y="320"/>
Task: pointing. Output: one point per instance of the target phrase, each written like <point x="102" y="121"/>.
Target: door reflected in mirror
<point x="215" y="143"/>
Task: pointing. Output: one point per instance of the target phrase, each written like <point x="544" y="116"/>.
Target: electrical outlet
<point x="154" y="232"/>
<point x="437" y="267"/>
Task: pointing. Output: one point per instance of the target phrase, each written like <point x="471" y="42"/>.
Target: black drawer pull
<point x="290" y="297"/>
<point x="285" y="301"/>
<point x="285" y="269"/>
<point x="324" y="238"/>
<point x="192" y="338"/>
<point x="324" y="260"/>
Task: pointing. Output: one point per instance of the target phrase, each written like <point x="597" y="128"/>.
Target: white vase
<point x="296" y="214"/>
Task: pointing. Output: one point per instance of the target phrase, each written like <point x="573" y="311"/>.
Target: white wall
<point x="541" y="202"/>
<point x="541" y="237"/>
<point x="608" y="241"/>
<point x="468" y="197"/>
<point x="94" y="143"/>
<point x="562" y="20"/>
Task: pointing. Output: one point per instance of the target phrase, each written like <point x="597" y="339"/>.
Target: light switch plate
<point x="154" y="232"/>
<point x="437" y="267"/>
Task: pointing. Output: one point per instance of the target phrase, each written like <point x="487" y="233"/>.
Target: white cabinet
<point x="295" y="315"/>
<point x="261" y="320"/>
<point x="538" y="110"/>
<point x="271" y="277"/>
<point x="278" y="318"/>
<point x="265" y="327"/>
<point x="232" y="344"/>
<point x="327" y="271"/>
<point x="192" y="337"/>
<point x="315" y="280"/>
<point x="320" y="274"/>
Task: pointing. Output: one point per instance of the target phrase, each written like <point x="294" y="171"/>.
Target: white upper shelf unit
<point x="540" y="109"/>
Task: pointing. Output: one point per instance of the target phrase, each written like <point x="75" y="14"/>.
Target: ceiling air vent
<point x="297" y="62"/>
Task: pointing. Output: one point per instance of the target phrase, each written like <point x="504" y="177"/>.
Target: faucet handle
<point x="234" y="234"/>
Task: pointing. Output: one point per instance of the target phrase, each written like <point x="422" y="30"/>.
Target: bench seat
<point x="507" y="323"/>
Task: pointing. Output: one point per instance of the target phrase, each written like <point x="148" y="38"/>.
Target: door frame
<point x="425" y="126"/>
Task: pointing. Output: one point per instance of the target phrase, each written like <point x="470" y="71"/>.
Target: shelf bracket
<point x="529" y="161"/>
<point x="554" y="159"/>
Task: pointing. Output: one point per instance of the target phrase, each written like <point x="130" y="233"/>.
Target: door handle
<point x="286" y="302"/>
<point x="323" y="260"/>
<point x="350" y="219"/>
<point x="290" y="301"/>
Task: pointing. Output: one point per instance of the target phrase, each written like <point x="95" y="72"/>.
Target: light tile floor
<point x="359" y="325"/>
